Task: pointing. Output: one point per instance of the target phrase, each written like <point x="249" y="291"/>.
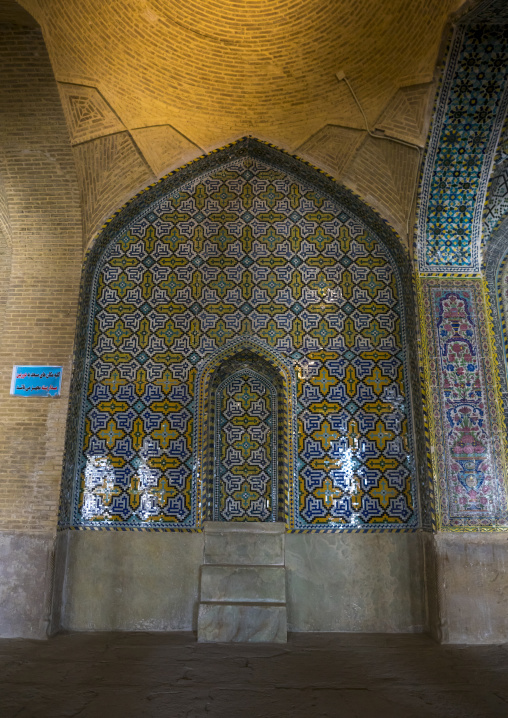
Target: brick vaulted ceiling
<point x="182" y="77"/>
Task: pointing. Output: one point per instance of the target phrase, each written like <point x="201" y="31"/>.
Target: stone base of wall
<point x="454" y="585"/>
<point x="26" y="568"/>
<point x="370" y="583"/>
<point x="467" y="576"/>
<point x="150" y="581"/>
<point x="127" y="581"/>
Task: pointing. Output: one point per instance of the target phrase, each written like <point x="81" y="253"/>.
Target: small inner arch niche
<point x="244" y="460"/>
<point x="247" y="406"/>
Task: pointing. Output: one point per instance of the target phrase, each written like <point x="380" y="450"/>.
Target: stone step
<point x="241" y="623"/>
<point x="244" y="543"/>
<point x="243" y="584"/>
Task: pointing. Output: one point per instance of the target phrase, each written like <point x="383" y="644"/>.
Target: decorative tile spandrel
<point x="468" y="446"/>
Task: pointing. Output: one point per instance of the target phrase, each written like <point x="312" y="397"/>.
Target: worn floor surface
<point x="314" y="675"/>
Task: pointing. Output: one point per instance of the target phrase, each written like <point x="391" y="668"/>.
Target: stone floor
<point x="314" y="675"/>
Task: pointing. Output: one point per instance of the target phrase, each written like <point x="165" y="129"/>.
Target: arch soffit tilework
<point x="496" y="204"/>
<point x="495" y="256"/>
<point x="293" y="166"/>
<point x="495" y="264"/>
<point x="452" y="191"/>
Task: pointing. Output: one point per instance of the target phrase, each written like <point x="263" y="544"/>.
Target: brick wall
<point x="40" y="254"/>
<point x="147" y="87"/>
<point x="5" y="247"/>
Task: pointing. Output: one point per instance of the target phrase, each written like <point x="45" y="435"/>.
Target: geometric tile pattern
<point x="487" y="12"/>
<point x="502" y="283"/>
<point x="250" y="355"/>
<point x="468" y="440"/>
<point x="496" y="273"/>
<point x="248" y="250"/>
<point x="469" y="115"/>
<point x="496" y="204"/>
<point x="246" y="436"/>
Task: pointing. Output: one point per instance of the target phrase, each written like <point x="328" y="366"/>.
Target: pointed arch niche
<point x="247" y="265"/>
<point x="245" y="444"/>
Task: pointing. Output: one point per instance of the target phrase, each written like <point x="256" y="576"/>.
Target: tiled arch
<point x="468" y="119"/>
<point x="362" y="221"/>
<point x="496" y="264"/>
<point x="254" y="353"/>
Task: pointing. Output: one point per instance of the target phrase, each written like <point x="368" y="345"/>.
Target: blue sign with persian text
<point x="36" y="380"/>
